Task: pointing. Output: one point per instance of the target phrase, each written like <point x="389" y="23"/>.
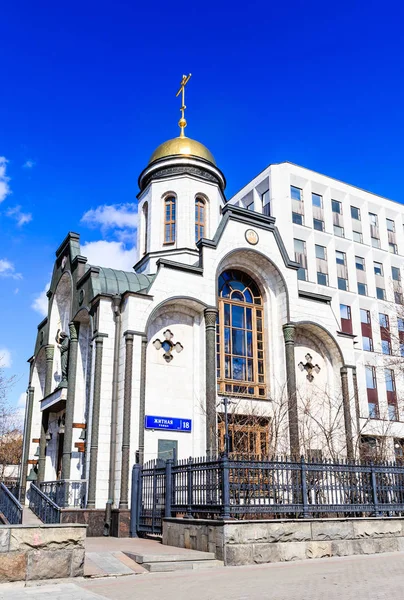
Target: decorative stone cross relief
<point x="309" y="367"/>
<point x="168" y="346"/>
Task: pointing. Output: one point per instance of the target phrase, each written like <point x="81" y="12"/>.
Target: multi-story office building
<point x="349" y="244"/>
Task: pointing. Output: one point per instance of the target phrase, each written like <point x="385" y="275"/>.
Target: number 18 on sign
<point x="168" y="423"/>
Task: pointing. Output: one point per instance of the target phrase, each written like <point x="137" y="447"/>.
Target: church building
<point x="267" y="323"/>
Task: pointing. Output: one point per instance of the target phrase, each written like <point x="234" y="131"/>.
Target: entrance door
<point x="59" y="456"/>
<point x="167" y="449"/>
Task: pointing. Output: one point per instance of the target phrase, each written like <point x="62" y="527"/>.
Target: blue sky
<point x="88" y="91"/>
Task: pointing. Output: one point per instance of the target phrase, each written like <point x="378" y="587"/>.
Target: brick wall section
<point x="255" y="542"/>
<point x="30" y="553"/>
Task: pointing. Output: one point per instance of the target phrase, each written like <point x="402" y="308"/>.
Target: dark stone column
<point x="49" y="352"/>
<point x="71" y="391"/>
<point x="27" y="441"/>
<point x="356" y="394"/>
<point x="95" y="421"/>
<point x="127" y="400"/>
<point x="142" y="398"/>
<point x="347" y="413"/>
<point x="289" y="331"/>
<point x="210" y="343"/>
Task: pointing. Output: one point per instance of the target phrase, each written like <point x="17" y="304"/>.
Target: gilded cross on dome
<point x="309" y="367"/>
<point x="168" y="345"/>
<point x="182" y="122"/>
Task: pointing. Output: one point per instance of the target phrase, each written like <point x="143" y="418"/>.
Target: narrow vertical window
<point x="199" y="218"/>
<point x="169" y="220"/>
<point x="145" y="225"/>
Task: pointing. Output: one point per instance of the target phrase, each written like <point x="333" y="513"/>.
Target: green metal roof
<point x="111" y="281"/>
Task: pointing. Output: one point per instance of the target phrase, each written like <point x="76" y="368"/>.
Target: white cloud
<point x="29" y="164"/>
<point x="40" y="303"/>
<point x="4" y="187"/>
<point x="121" y="216"/>
<point x="17" y="214"/>
<point x="5" y="358"/>
<point x="109" y="254"/>
<point x="7" y="269"/>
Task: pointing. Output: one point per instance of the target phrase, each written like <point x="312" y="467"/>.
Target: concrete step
<point x="29" y="518"/>
<point x="104" y="564"/>
<point x="190" y="555"/>
<point x="182" y="565"/>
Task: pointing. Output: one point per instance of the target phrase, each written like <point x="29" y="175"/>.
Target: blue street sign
<point x="151" y="422"/>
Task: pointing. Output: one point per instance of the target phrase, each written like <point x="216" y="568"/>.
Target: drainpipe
<point x="114" y="415"/>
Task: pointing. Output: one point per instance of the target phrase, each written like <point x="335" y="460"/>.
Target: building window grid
<point x="169" y="220"/>
<point x="317" y="200"/>
<point x="296" y="193"/>
<point x="318" y="225"/>
<point x="240" y="337"/>
<point x="355" y="213"/>
<point x="371" y="386"/>
<point x="362" y="289"/>
<point x="200" y="206"/>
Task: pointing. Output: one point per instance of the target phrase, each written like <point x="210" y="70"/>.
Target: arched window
<point x="169" y="220"/>
<point x="240" y="336"/>
<point x="199" y="218"/>
<point x="145" y="225"/>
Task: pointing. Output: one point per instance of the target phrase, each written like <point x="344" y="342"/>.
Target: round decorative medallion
<point x="81" y="296"/>
<point x="252" y="237"/>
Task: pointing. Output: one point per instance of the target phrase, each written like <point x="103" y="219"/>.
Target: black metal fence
<point x="42" y="506"/>
<point x="243" y="488"/>
<point x="10" y="507"/>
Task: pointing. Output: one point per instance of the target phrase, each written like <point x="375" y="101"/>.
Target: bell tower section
<point x="180" y="199"/>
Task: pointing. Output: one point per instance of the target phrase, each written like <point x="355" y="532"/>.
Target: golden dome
<point x="182" y="146"/>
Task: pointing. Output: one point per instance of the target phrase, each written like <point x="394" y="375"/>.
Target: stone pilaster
<point x="347" y="413"/>
<point x="142" y="398"/>
<point x="289" y="331"/>
<point x="71" y="391"/>
<point x="49" y="352"/>
<point x="95" y="421"/>
<point x="27" y="441"/>
<point x="127" y="401"/>
<point x="211" y="392"/>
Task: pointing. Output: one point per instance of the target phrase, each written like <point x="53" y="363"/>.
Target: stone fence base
<point x="254" y="542"/>
<point x="94" y="518"/>
<point x="30" y="552"/>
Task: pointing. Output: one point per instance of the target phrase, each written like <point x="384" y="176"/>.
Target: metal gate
<point x="148" y="498"/>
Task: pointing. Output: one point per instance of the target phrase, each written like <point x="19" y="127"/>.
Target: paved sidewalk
<point x="375" y="577"/>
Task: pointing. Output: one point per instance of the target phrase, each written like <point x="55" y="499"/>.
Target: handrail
<point x="10" y="506"/>
<point x="41" y="505"/>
